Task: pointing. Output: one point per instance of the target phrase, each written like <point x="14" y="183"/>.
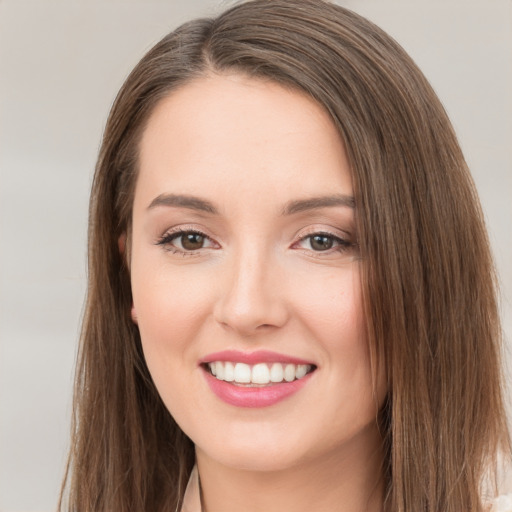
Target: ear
<point x="121" y="244"/>
<point x="133" y="314"/>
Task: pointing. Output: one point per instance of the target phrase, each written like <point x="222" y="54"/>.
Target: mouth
<point x="260" y="374"/>
<point x="255" y="379"/>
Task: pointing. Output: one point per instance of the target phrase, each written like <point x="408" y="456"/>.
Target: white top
<point x="192" y="499"/>
<point x="502" y="503"/>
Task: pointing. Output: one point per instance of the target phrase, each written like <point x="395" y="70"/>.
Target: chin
<point x="255" y="459"/>
<point x="267" y="451"/>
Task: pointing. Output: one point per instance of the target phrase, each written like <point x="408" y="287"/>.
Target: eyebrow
<point x="184" y="201"/>
<point x="313" y="203"/>
<point x="291" y="208"/>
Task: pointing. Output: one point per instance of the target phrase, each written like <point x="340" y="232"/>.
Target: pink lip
<point x="241" y="396"/>
<point x="259" y="356"/>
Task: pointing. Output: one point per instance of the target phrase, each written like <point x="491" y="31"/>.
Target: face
<point x="244" y="264"/>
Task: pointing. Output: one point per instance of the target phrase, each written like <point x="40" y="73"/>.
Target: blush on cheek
<point x="169" y="318"/>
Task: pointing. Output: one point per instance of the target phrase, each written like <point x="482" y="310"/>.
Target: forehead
<point x="233" y="134"/>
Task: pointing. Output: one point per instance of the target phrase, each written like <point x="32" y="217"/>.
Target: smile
<point x="259" y="374"/>
<point x="255" y="379"/>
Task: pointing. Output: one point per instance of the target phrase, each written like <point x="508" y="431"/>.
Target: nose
<point x="252" y="296"/>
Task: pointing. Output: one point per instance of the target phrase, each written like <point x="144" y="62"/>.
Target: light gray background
<point x="61" y="64"/>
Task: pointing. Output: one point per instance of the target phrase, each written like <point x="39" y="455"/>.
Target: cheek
<point x="331" y="312"/>
<point x="331" y="306"/>
<point x="171" y="307"/>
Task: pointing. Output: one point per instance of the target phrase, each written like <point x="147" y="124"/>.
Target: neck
<point x="348" y="478"/>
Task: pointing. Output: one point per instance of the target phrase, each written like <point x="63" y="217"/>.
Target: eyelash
<point x="168" y="238"/>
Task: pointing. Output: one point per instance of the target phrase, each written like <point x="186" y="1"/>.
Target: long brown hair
<point x="428" y="282"/>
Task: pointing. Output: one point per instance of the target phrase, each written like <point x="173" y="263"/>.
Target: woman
<point x="291" y="299"/>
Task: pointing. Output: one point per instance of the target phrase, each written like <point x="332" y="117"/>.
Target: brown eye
<point x="324" y="243"/>
<point x="186" y="243"/>
<point x="321" y="242"/>
<point x="192" y="241"/>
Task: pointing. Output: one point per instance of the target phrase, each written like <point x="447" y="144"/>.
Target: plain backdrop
<point x="61" y="64"/>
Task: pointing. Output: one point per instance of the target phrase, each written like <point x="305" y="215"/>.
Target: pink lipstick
<point x="255" y="379"/>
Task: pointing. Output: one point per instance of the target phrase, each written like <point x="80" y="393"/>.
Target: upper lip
<point x="257" y="356"/>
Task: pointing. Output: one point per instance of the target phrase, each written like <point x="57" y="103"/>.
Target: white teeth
<point x="242" y="373"/>
<point x="289" y="372"/>
<point x="276" y="372"/>
<point x="219" y="368"/>
<point x="301" y="371"/>
<point x="229" y="372"/>
<point x="261" y="373"/>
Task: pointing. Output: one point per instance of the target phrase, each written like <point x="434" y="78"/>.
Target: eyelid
<point x="322" y="230"/>
<point x="185" y="228"/>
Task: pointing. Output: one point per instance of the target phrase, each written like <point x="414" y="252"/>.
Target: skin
<point x="256" y="282"/>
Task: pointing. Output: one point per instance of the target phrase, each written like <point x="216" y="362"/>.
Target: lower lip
<point x="264" y="396"/>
